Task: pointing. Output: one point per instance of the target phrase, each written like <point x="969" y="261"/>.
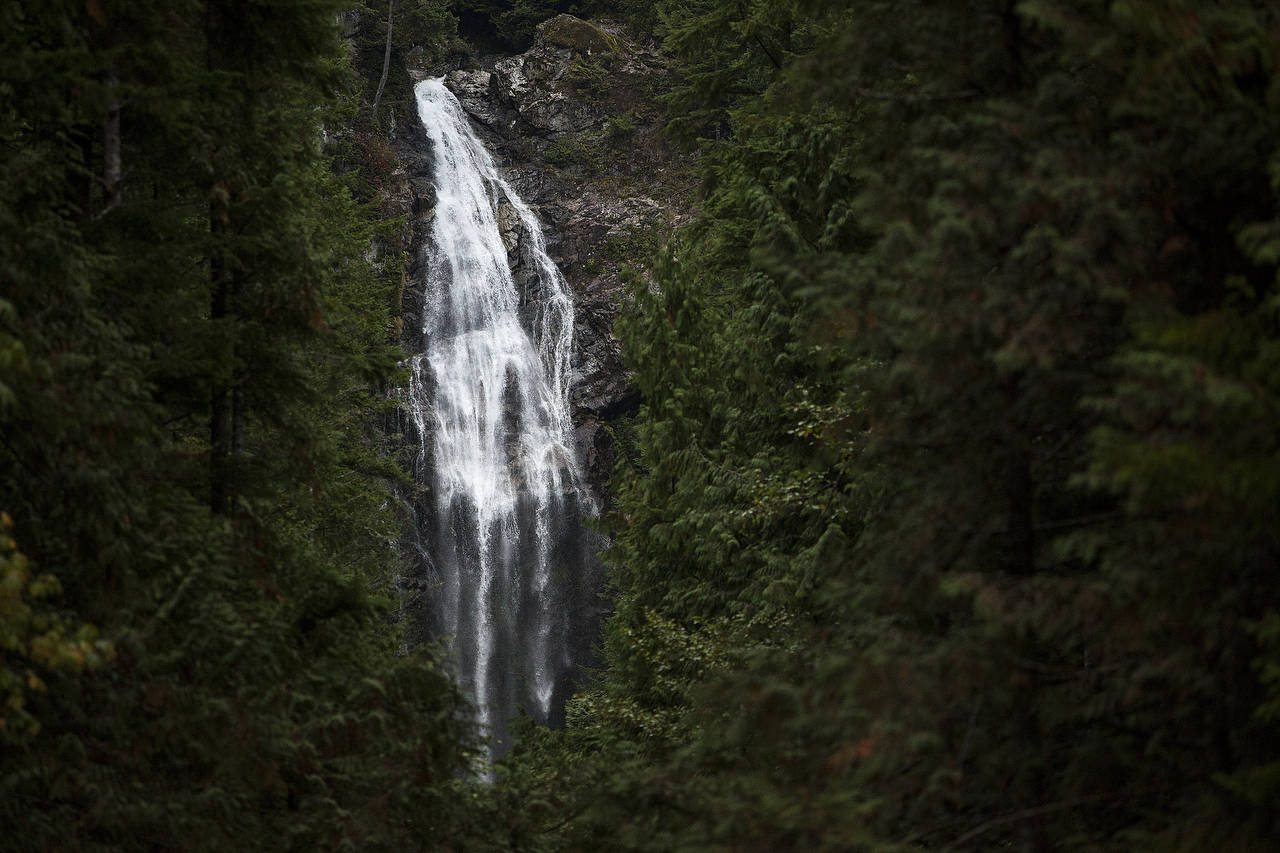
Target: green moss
<point x="621" y="128"/>
<point x="568" y="31"/>
<point x="581" y="151"/>
<point x="588" y="77"/>
<point x="634" y="248"/>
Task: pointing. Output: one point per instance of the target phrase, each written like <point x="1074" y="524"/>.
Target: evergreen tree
<point x="996" y="381"/>
<point x="194" y="352"/>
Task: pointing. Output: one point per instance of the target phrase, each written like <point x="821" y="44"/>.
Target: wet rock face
<point x="527" y="85"/>
<point x="575" y="131"/>
<point x="410" y="197"/>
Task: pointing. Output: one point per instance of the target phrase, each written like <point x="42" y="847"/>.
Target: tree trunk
<point x="112" y="173"/>
<point x="1021" y="495"/>
<point x="220" y="397"/>
<point x="226" y="404"/>
<point x="386" y="64"/>
<point x="1020" y="486"/>
<point x="82" y="186"/>
<point x="226" y="277"/>
<point x="237" y="413"/>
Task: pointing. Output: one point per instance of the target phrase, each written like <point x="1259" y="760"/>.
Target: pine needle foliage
<point x="194" y="351"/>
<point x="951" y="525"/>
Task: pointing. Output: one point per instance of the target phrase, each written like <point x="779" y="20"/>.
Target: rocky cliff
<point x="574" y="126"/>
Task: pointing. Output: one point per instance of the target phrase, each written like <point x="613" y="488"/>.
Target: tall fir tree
<point x="193" y="356"/>
<point x="996" y="381"/>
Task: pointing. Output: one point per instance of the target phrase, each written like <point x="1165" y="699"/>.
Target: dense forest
<point x="948" y="520"/>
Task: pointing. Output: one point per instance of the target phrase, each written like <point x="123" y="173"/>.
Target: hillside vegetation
<point x="948" y="521"/>
<point x="950" y="518"/>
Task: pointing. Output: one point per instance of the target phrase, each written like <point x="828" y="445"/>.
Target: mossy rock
<point x="577" y="34"/>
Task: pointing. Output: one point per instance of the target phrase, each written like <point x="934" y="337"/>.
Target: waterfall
<point x="502" y="552"/>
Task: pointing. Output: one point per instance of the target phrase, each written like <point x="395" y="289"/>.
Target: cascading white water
<point x="489" y="401"/>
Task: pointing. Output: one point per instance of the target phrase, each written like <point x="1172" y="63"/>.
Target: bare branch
<point x="386" y="63"/>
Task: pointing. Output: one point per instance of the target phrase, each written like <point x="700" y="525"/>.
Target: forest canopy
<point x="948" y="521"/>
<point x="197" y="648"/>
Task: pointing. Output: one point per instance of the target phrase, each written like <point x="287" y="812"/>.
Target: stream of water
<point x="489" y="402"/>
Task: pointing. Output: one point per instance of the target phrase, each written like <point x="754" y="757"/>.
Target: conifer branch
<point x="962" y="95"/>
<point x="1038" y="811"/>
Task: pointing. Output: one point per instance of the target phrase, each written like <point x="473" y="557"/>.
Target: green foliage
<point x="580" y="151"/>
<point x="31" y="635"/>
<point x="191" y="371"/>
<point x="634" y="247"/>
<point x="588" y="77"/>
<point x="424" y="33"/>
<point x="949" y="524"/>
<point x="619" y="129"/>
